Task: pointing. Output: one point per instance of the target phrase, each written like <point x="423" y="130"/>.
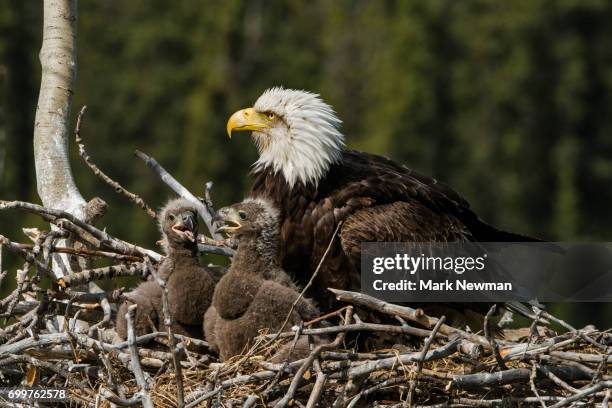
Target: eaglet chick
<point x="190" y="286"/>
<point x="256" y="293"/>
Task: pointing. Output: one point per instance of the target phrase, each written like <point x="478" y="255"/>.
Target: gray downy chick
<point x="256" y="293"/>
<point x="190" y="286"/>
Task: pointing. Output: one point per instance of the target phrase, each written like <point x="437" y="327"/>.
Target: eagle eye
<point x="270" y="115"/>
<point x="242" y="215"/>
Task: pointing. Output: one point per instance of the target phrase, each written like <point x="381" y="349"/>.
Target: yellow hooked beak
<point x="247" y="119"/>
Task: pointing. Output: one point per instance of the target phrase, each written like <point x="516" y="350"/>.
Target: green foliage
<point x="509" y="102"/>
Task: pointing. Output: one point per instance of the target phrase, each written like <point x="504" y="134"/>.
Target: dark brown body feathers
<point x="377" y="200"/>
<point x="148" y="297"/>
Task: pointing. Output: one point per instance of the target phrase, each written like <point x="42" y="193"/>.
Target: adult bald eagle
<point x="305" y="168"/>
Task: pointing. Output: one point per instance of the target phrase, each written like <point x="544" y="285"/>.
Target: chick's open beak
<point x="227" y="220"/>
<point x="247" y="119"/>
<point x="185" y="226"/>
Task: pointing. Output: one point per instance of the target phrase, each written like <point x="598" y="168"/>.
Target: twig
<point x="439" y="353"/>
<point x="546" y="371"/>
<point x="384" y="384"/>
<point x="84" y="252"/>
<point x="310" y="281"/>
<point x="250" y="401"/>
<point x="534" y="389"/>
<point x="355" y="327"/>
<point x="181" y="191"/>
<point x="114" y="399"/>
<point x="555" y="319"/>
<point x="584" y="393"/>
<point x="421" y="358"/>
<point x="489" y="336"/>
<point x="119" y="189"/>
<point x="27" y="256"/>
<point x="405" y="312"/>
<point x="89" y="275"/>
<point x="145" y="338"/>
<point x="309" y="361"/>
<point x="317" y="390"/>
<point x="104" y="237"/>
<point x="216" y="250"/>
<point x="180" y="392"/>
<point x="241" y="379"/>
<point x="140" y="378"/>
<point x="513" y="375"/>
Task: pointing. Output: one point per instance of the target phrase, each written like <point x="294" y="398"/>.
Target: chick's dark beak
<point x="227" y="220"/>
<point x="186" y="226"/>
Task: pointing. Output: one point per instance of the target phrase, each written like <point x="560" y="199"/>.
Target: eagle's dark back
<point x="377" y="200"/>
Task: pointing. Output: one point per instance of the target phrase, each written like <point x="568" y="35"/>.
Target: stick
<point x="216" y="250"/>
<point x="556" y="379"/>
<point x="354" y="328"/>
<point x="119" y="189"/>
<point x="317" y="390"/>
<point x="584" y="393"/>
<point x="492" y="342"/>
<point x="134" y="269"/>
<point x="180" y="190"/>
<point x="421" y="358"/>
<point x="312" y="278"/>
<point x="104" y="237"/>
<point x="27" y="256"/>
<point x="309" y="361"/>
<point x="385" y="363"/>
<point x="171" y="340"/>
<point x="532" y="377"/>
<point x="513" y="375"/>
<point x="405" y="312"/>
<point x="85" y="252"/>
<point x="114" y="399"/>
<point x="137" y="369"/>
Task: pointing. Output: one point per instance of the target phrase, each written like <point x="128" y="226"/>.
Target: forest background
<point x="508" y="102"/>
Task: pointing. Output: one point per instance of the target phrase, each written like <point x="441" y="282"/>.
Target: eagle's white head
<point x="296" y="134"/>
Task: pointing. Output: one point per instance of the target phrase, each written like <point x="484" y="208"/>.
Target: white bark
<point x="56" y="186"/>
<point x="55" y="183"/>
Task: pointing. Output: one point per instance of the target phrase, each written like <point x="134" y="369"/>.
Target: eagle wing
<point x="377" y="200"/>
<point x="397" y="222"/>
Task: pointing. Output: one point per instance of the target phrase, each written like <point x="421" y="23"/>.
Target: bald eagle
<point x="306" y="170"/>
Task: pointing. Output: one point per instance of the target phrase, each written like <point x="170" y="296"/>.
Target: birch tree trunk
<point x="55" y="183"/>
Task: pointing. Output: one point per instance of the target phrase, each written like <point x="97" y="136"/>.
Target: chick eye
<point x="271" y="115"/>
<point x="171" y="217"/>
<point x="242" y="215"/>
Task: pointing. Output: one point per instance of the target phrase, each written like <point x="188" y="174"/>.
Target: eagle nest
<point x="62" y="336"/>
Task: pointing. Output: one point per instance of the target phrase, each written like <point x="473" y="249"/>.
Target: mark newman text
<point x="431" y="285"/>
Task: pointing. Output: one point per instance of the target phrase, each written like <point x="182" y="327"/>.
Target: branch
<point x="493" y="343"/>
<point x="171" y="340"/>
<point x="297" y="379"/>
<point x="89" y="275"/>
<point x="179" y="189"/>
<point x="119" y="189"/>
<point x="85" y="252"/>
<point x="405" y="312"/>
<point x="312" y="278"/>
<point x="140" y="378"/>
<point x="422" y="358"/>
<point x="105" y="238"/>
